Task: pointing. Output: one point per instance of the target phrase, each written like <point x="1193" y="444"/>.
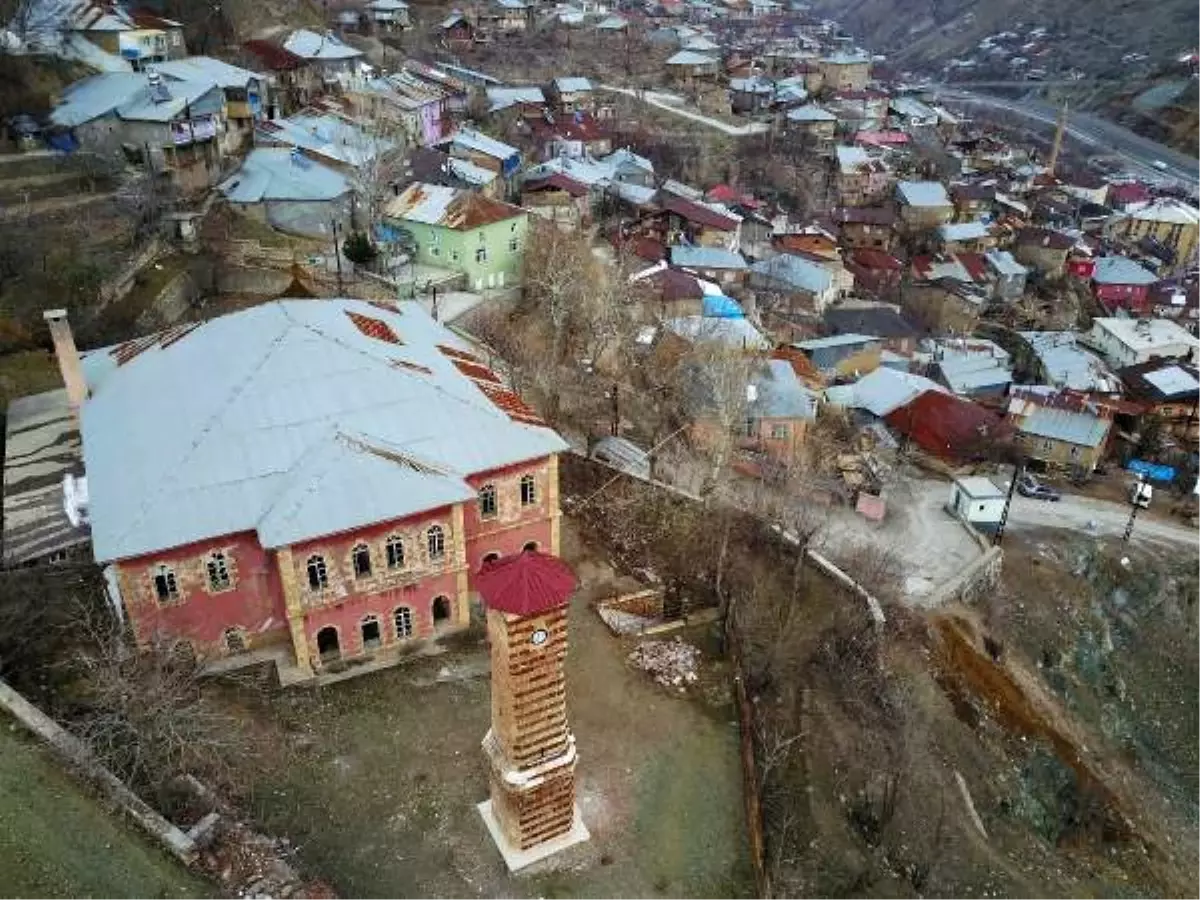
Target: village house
<point x="140" y="39"/>
<point x="1063" y="362"/>
<point x="559" y="199"/>
<point x="1059" y="429"/>
<point x="812" y="125"/>
<point x="527" y="101"/>
<point x="333" y="61"/>
<point x="1008" y="276"/>
<point x="811" y="240"/>
<point x="695" y="222"/>
<point x="457" y="32"/>
<point x="779" y="411"/>
<point x="972" y="201"/>
<point x="572" y="94"/>
<point x="1127" y="342"/>
<point x="348" y="529"/>
<point x="503" y="16"/>
<point x="1125" y="196"/>
<point x="1171" y="223"/>
<point x="574" y="136"/>
<point x="463" y="231"/>
<point x="876" y="273"/>
<point x="1120" y="283"/>
<point x="689" y="66"/>
<point x="866" y="228"/>
<point x="948" y="294"/>
<point x="862" y="110"/>
<point x="802" y="283"/>
<point x="845" y="71"/>
<point x="290" y="192"/>
<point x="294" y="83"/>
<point x="751" y="95"/>
<point x="1043" y="250"/>
<point x="435" y="167"/>
<point x="667" y="293"/>
<point x="404" y="102"/>
<point x="972" y="367"/>
<point x="246" y="93"/>
<point x="843" y="355"/>
<point x="725" y="267"/>
<point x="329" y="139"/>
<point x="486" y="152"/>
<point x="1168" y="390"/>
<point x="880" y="320"/>
<point x="1177" y="299"/>
<point x="964" y="237"/>
<point x="923" y="204"/>
<point x="861" y="179"/>
<point x="388" y="15"/>
<point x="910" y="113"/>
<point x="948" y="427"/>
<point x="176" y="127"/>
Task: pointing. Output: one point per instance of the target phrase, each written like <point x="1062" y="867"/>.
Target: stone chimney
<point x="68" y="358"/>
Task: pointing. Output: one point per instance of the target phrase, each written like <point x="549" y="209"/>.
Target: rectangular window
<point x="779" y="432"/>
<point x="481" y="255"/>
<point x="514" y="245"/>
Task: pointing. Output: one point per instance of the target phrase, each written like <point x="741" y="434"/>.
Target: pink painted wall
<point x="254" y="603"/>
<point x="515" y="525"/>
<point x="1129" y="296"/>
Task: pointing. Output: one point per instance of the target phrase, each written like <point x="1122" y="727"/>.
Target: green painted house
<point x="464" y="231"/>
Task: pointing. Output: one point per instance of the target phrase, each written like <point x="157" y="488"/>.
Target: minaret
<point x="531" y="751"/>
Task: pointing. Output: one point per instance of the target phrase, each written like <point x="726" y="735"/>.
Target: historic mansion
<point x="320" y="479"/>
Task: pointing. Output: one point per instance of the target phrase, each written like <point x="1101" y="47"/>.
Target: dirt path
<point x="674" y="105"/>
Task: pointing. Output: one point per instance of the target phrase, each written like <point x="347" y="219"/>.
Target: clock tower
<point x="530" y="749"/>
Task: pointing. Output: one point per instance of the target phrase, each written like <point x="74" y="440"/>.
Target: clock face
<point x="539" y="637"/>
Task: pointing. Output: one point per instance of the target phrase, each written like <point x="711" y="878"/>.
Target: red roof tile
<point x="876" y="259"/>
<point x="273" y="56"/>
<point x="975" y="264"/>
<point x="526" y="583"/>
<point x="374" y="328"/>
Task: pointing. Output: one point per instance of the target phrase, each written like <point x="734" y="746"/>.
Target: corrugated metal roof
<point x="310" y="45"/>
<point x="794" y="271"/>
<point x="1069" y="365"/>
<point x="481" y="143"/>
<point x="325" y="135"/>
<point x="884" y="390"/>
<point x="810" y="113"/>
<point x="736" y="333"/>
<point x="1173" y="381"/>
<point x="572" y="85"/>
<point x="779" y="394"/>
<point x="505" y="97"/>
<point x="978" y="488"/>
<point x="1004" y="263"/>
<point x="289" y="388"/>
<point x="275" y="173"/>
<point x="205" y="68"/>
<point x="1121" y="270"/>
<point x="434" y="204"/>
<point x="691" y="58"/>
<point x="1080" y="428"/>
<point x="850" y="158"/>
<point x="923" y="193"/>
<point x="689" y="257"/>
<point x="963" y="231"/>
<point x="99" y="95"/>
<point x="837" y="340"/>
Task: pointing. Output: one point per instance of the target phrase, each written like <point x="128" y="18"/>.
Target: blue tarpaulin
<point x="718" y="306"/>
<point x="1153" y="471"/>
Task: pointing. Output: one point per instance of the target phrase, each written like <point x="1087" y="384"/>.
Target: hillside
<point x="1091" y="35"/>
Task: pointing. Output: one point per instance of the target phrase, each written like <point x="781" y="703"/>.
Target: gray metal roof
<point x="923" y="193"/>
<point x="810" y="113"/>
<point x="505" y="97"/>
<point x="1173" y="381"/>
<point x="480" y="142"/>
<point x="884" y="390"/>
<point x="691" y="58"/>
<point x="1068" y="364"/>
<point x="327" y="46"/>
<point x="736" y="333"/>
<point x="963" y="231"/>
<point x="1121" y="270"/>
<point x="837" y="340"/>
<point x="779" y="394"/>
<point x="205" y="68"/>
<point x="1004" y="263"/>
<point x="41" y="447"/>
<point x="572" y="84"/>
<point x="289" y="420"/>
<point x="278" y="173"/>
<point x="794" y="271"/>
<point x="1080" y="428"/>
<point x="688" y="257"/>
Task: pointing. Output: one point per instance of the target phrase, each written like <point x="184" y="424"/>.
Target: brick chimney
<point x="68" y="358"/>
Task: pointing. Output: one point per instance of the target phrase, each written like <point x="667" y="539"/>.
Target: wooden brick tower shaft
<point x="531" y="750"/>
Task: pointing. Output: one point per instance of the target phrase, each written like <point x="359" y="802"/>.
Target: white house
<point x="977" y="501"/>
<point x="1127" y="342"/>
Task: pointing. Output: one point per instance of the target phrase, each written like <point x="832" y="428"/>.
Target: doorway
<point x="328" y="646"/>
<point x="441" y="612"/>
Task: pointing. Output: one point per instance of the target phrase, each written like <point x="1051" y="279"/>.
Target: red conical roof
<point x="525" y="583"/>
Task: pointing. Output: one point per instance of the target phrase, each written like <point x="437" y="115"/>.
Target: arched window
<point x="372" y="635"/>
<point x="218" y="571"/>
<point x="404" y="624"/>
<point x="361" y="556"/>
<point x="528" y="490"/>
<point x="318" y="576"/>
<point x="166" y="588"/>
<point x="395" y="552"/>
<point x="530" y="547"/>
<point x="490" y="557"/>
<point x="487" y="501"/>
<point x="435" y="537"/>
<point x="235" y="640"/>
<point x="328" y="644"/>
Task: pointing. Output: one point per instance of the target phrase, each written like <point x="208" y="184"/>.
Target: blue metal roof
<point x="718" y="306"/>
<point x="279" y="173"/>
<point x="794" y="271"/>
<point x="1083" y="429"/>
<point x="286" y="419"/>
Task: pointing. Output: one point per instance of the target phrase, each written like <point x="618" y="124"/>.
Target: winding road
<point x="1140" y="153"/>
<point x="673" y="103"/>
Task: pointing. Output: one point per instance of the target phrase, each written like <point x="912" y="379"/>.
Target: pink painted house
<point x="307" y="481"/>
<point x="1120" y="283"/>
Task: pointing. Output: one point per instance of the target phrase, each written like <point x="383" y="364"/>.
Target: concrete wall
<point x="250" y="280"/>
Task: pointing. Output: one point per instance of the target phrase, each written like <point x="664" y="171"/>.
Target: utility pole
<point x="1018" y="468"/>
<point x="337" y="253"/>
<point x="615" y="428"/>
<point x="1058" y="139"/>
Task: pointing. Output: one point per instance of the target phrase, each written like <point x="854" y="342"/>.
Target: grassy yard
<point x="376" y="779"/>
<point x="27" y="372"/>
<point x="56" y="839"/>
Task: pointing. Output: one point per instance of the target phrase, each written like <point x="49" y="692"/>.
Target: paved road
<point x="1098" y="517"/>
<point x="674" y="105"/>
<point x="1139" y="152"/>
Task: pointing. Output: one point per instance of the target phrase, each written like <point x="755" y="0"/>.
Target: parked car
<point x="1028" y="486"/>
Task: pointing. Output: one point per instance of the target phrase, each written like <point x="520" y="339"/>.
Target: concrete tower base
<point x="516" y="858"/>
